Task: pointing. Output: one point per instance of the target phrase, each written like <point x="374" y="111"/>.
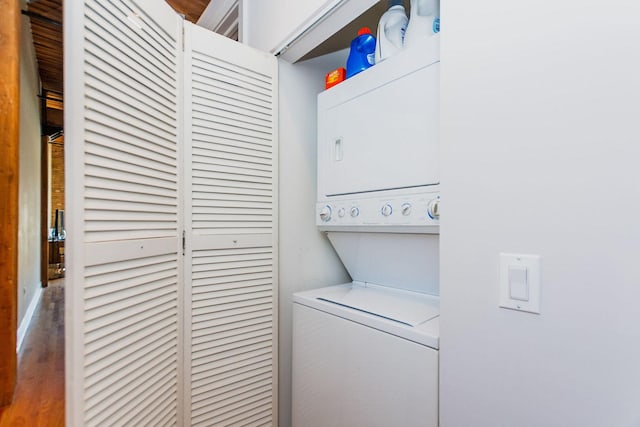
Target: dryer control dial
<point x="433" y="210"/>
<point x="325" y="213"/>
<point x="355" y="211"/>
<point x="341" y="212"/>
<point x="386" y="210"/>
<point x="405" y="209"/>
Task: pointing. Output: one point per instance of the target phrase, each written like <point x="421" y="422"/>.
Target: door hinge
<point x="184" y="241"/>
<point x="183" y="32"/>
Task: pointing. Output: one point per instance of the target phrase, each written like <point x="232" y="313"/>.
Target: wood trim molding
<point x="9" y="173"/>
<point x="44" y="211"/>
<point x="219" y="15"/>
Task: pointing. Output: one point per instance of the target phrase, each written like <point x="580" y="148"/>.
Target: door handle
<point x="338" y="152"/>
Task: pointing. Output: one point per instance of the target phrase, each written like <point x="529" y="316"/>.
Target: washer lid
<point x="330" y="300"/>
<point x="409" y="308"/>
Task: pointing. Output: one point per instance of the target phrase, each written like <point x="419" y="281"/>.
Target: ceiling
<point x="191" y="9"/>
<point x="46" y="28"/>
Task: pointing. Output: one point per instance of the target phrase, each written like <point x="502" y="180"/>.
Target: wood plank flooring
<point x="39" y="395"/>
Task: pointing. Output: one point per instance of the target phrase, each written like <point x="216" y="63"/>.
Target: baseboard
<point x="26" y="320"/>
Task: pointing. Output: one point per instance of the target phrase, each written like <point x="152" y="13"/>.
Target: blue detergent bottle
<point x="362" y="53"/>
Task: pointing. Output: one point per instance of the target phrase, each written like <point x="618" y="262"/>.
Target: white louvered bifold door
<point x="230" y="151"/>
<point x="124" y="233"/>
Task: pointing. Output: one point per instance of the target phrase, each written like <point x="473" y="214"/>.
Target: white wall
<point x="540" y="147"/>
<point x="266" y="24"/>
<point x="307" y="260"/>
<point x="29" y="203"/>
<point x="296" y="28"/>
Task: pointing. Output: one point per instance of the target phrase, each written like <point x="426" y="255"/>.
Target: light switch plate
<point x="518" y="282"/>
<point x="518" y="262"/>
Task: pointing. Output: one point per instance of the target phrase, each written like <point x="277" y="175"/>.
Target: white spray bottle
<point x="424" y="20"/>
<point x="391" y="28"/>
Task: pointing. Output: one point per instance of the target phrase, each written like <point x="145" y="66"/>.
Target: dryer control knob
<point x="433" y="210"/>
<point x="341" y="212"/>
<point x="406" y="209"/>
<point x="325" y="213"/>
<point x="354" y="212"/>
<point x="386" y="210"/>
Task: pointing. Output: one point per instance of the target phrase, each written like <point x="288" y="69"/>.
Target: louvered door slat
<point x="122" y="127"/>
<point x="162" y="33"/>
<point x="202" y="184"/>
<point x="222" y="100"/>
<point x="242" y="206"/>
<point x="205" y="137"/>
<point x="144" y="145"/>
<point x="139" y="74"/>
<point x="200" y="406"/>
<point x="243" y="400"/>
<point x="246" y="312"/>
<point x="200" y="331"/>
<point x="205" y="362"/>
<point x="137" y="379"/>
<point x="205" y="113"/>
<point x="113" y="82"/>
<point x="228" y="380"/>
<point x="236" y="73"/>
<point x="238" y="415"/>
<point x="123" y="172"/>
<point x="230" y="95"/>
<point x="100" y="93"/>
<point x="248" y="158"/>
<point x="218" y="262"/>
<point x="228" y="166"/>
<point x="111" y="147"/>
<point x="228" y="89"/>
<point x="111" y="111"/>
<point x="242" y="287"/>
<point x="235" y="174"/>
<point x="256" y="421"/>
<point x="116" y="36"/>
<point x="235" y="130"/>
<point x="214" y="106"/>
<point x="99" y="186"/>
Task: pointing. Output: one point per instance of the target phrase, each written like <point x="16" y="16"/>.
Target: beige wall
<point x="29" y="210"/>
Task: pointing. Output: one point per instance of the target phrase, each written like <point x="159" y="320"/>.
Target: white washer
<point x="365" y="355"/>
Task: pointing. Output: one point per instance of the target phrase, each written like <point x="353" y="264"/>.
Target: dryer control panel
<point x="399" y="212"/>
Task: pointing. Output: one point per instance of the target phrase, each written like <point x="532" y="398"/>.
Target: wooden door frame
<point x="44" y="210"/>
<point x="9" y="175"/>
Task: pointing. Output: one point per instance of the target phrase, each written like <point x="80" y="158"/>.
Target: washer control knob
<point x="325" y="213"/>
<point x="406" y="209"/>
<point x="341" y="212"/>
<point x="433" y="210"/>
<point x="354" y="212"/>
<point x="386" y="210"/>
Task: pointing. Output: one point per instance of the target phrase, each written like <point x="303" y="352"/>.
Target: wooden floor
<point x="39" y="395"/>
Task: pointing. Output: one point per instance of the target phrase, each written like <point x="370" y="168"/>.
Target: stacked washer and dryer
<point x="365" y="353"/>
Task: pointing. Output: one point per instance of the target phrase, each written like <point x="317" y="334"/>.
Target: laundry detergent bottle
<point x="362" y="52"/>
<point x="424" y="20"/>
<point x="391" y="29"/>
